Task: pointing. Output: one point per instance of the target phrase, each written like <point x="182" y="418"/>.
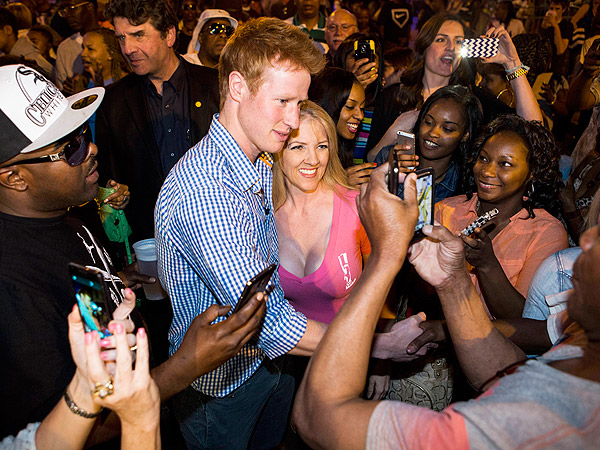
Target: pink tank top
<point x="321" y="294"/>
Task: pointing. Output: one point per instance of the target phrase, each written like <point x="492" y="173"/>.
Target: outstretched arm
<point x="206" y="346"/>
<point x="334" y="415"/>
<point x="481" y="349"/>
<point x="526" y="103"/>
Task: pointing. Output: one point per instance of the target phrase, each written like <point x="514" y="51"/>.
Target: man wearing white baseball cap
<point x="47" y="165"/>
<point x="214" y="28"/>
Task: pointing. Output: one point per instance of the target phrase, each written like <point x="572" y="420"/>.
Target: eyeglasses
<point x="188" y="7"/>
<point x="218" y="28"/>
<point x="345" y="27"/>
<point x="68" y="10"/>
<point x="74" y="151"/>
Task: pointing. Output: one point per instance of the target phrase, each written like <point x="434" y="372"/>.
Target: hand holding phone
<point x="480" y="47"/>
<point x="364" y="49"/>
<point x="257" y="284"/>
<point x="93" y="299"/>
<point x="479" y="222"/>
<point x="425" y="197"/>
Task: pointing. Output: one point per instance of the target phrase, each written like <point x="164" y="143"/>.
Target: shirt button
<point x="167" y="107"/>
<point x="169" y="130"/>
<point x="172" y="154"/>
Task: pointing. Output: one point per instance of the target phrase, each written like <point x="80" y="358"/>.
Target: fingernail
<point x="119" y="328"/>
<point x="88" y="338"/>
<point x="103" y="355"/>
<point x="142" y="332"/>
<point x="152" y="279"/>
<point x="375" y="165"/>
<point x="105" y="343"/>
<point x="128" y="291"/>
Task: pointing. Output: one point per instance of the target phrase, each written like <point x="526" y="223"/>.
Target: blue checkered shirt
<point x="215" y="229"/>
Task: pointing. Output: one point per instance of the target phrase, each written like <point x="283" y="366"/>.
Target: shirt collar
<point x="247" y="175"/>
<point x="177" y="80"/>
<point x="320" y="24"/>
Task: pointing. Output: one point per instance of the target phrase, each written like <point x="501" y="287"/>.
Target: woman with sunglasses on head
<point x="513" y="167"/>
<point x="214" y="28"/>
<point x="437" y="63"/>
<point x="342" y="96"/>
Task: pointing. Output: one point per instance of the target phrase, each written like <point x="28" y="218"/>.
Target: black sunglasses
<point x="218" y="28"/>
<point x="74" y="149"/>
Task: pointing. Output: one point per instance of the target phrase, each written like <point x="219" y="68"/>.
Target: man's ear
<point x="171" y="36"/>
<point x="8" y="30"/>
<point x="11" y="178"/>
<point x="237" y="86"/>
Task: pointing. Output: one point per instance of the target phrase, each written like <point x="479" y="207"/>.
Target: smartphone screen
<point x="256" y="284"/>
<point x="425" y="187"/>
<point x="92" y="299"/>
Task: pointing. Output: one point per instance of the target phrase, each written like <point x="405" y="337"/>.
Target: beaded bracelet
<point x="77" y="410"/>
<point x="517" y="73"/>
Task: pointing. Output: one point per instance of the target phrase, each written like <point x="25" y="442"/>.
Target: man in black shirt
<point x="47" y="165"/>
<point x="150" y="118"/>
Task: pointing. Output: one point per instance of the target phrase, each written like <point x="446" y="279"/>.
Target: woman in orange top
<point x="513" y="166"/>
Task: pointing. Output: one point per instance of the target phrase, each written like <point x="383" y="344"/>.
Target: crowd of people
<point x="242" y="134"/>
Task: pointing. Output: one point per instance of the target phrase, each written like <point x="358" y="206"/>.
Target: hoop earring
<point x="530" y="191"/>
<point x="512" y="95"/>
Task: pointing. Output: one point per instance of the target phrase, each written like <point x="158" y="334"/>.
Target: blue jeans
<point x="253" y="416"/>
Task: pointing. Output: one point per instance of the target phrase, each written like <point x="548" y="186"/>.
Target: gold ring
<point x="102" y="390"/>
<point x="134" y="348"/>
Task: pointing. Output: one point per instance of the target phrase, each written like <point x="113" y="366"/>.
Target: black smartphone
<point x="425" y="198"/>
<point x="256" y="284"/>
<point x="393" y="172"/>
<point x="364" y="49"/>
<point x="92" y="298"/>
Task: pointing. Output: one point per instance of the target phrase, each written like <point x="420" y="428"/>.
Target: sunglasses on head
<point x="74" y="149"/>
<point x="218" y="28"/>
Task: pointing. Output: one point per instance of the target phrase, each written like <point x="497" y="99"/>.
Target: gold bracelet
<point x="517" y="73"/>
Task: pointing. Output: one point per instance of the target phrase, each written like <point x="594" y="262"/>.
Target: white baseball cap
<point x="208" y="14"/>
<point x="34" y="113"/>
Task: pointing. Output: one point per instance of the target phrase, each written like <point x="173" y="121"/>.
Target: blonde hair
<point x="334" y="176"/>
<point x="258" y="44"/>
